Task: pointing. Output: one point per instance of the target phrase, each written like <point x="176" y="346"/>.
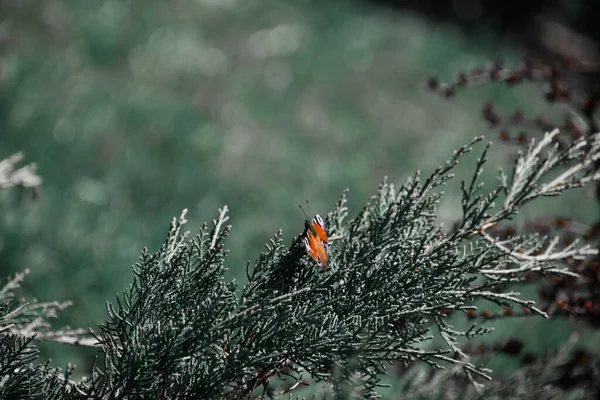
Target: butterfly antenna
<point x="304" y="212"/>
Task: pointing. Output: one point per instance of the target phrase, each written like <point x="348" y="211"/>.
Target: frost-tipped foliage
<point x="396" y="275"/>
<point x="394" y="279"/>
<point x="162" y="338"/>
<point x="570" y="372"/>
<point x="11" y="175"/>
<point x="181" y="331"/>
<point x="21" y="324"/>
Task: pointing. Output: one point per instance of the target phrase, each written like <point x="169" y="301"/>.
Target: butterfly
<point x="315" y="240"/>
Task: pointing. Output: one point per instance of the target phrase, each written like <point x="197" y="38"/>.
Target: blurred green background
<point x="134" y="110"/>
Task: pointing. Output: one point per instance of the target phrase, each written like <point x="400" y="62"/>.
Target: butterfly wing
<point x="315" y="241"/>
<point x="309" y="245"/>
<point x="317" y="249"/>
<point x="318" y="226"/>
<point x="322" y="251"/>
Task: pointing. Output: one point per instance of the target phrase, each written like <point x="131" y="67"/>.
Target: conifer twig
<point x="11" y="176"/>
<point x="223" y="217"/>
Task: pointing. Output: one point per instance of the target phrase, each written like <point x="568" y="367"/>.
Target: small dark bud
<point x="433" y="84"/>
<point x="590" y="106"/>
<point x="513" y="79"/>
<point x="510" y="346"/>
<point x="449" y="92"/>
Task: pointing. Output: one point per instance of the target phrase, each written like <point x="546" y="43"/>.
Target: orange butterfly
<point x="315" y="240"/>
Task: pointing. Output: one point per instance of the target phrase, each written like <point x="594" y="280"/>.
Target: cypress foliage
<point x="181" y="331"/>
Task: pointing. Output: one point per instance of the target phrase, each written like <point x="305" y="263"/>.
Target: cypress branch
<point x="182" y="331"/>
